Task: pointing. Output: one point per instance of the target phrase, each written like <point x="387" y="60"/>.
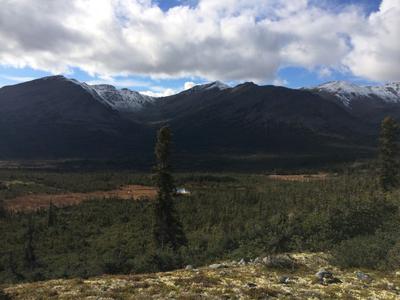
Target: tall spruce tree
<point x="388" y="154"/>
<point x="2" y="209"/>
<point x="167" y="230"/>
<point x="51" y="215"/>
<point x="30" y="257"/>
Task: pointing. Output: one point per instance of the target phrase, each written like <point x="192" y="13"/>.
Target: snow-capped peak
<point x="347" y="91"/>
<point x="218" y="85"/>
<point x="123" y="100"/>
<point x="209" y="86"/>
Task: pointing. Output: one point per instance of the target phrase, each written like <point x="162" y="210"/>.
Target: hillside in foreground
<point x="282" y="277"/>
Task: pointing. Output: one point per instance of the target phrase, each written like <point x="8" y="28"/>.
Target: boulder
<point x="280" y="262"/>
<point x="326" y="277"/>
<point x="250" y="285"/>
<point x="322" y="273"/>
<point x="217" y="266"/>
<point x="284" y="279"/>
<point x="364" y="277"/>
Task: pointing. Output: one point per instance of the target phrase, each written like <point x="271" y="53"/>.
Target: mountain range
<point x="57" y="117"/>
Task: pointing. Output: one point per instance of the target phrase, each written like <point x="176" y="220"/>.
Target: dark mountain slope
<point x="256" y="118"/>
<point x="56" y="117"/>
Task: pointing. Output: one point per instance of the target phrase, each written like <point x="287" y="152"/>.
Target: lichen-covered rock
<point x="189" y="267"/>
<point x="284" y="279"/>
<point x="363" y="277"/>
<point x="280" y="262"/>
<point x="216" y="266"/>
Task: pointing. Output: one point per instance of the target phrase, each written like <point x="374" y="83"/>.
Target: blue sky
<point x="178" y="43"/>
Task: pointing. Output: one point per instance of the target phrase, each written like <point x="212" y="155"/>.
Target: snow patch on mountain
<point x="123" y="100"/>
<point x="347" y="91"/>
<point x="209" y="86"/>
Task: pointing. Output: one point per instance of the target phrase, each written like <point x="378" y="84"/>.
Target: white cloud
<point x="188" y="85"/>
<point x="17" y="78"/>
<point x="163" y="93"/>
<point x="324" y="72"/>
<point x="123" y="83"/>
<point x="376" y="52"/>
<point x="280" y="82"/>
<point x="215" y="39"/>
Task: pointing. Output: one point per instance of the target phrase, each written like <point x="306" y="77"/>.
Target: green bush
<point x="393" y="258"/>
<point x="362" y="251"/>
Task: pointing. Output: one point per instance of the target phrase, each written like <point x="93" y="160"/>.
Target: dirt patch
<point x="39" y="201"/>
<point x="300" y="177"/>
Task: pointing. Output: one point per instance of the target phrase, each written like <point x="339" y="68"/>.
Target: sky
<point x="160" y="47"/>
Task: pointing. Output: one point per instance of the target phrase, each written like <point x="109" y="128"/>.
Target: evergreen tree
<point x="2" y="209"/>
<point x="168" y="230"/>
<point x="51" y="215"/>
<point x="388" y="154"/>
<point x="30" y="257"/>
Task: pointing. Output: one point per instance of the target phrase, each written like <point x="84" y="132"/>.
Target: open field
<point x="41" y="201"/>
<point x="300" y="177"/>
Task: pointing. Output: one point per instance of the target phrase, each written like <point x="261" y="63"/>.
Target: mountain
<point x="370" y="104"/>
<point x="55" y="117"/>
<point x="58" y="117"/>
<point x="249" y="118"/>
<point x="348" y="92"/>
<point x="123" y="100"/>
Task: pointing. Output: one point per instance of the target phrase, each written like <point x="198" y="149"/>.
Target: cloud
<point x="123" y="83"/>
<point x="325" y="72"/>
<point x="163" y="93"/>
<point x="376" y="47"/>
<point x="17" y="78"/>
<point x="188" y="85"/>
<point x="280" y="82"/>
<point x="214" y="39"/>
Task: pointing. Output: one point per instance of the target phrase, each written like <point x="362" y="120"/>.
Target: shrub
<point x="393" y="257"/>
<point x="361" y="251"/>
<point x="4" y="296"/>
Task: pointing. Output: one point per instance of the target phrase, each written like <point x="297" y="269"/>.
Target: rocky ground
<point x="294" y="276"/>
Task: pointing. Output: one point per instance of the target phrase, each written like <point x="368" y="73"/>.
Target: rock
<point x="257" y="260"/>
<point x="189" y="267"/>
<point x="364" y="277"/>
<point x="280" y="262"/>
<point x="326" y="277"/>
<point x="216" y="266"/>
<point x="391" y="286"/>
<point x="250" y="285"/>
<point x="332" y="280"/>
<point x="242" y="262"/>
<point x="322" y="273"/>
<point x="284" y="279"/>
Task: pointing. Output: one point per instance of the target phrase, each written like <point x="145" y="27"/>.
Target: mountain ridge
<point x="60" y="117"/>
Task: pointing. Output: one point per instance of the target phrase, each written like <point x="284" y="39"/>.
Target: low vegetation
<point x="225" y="216"/>
<point x="232" y="281"/>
